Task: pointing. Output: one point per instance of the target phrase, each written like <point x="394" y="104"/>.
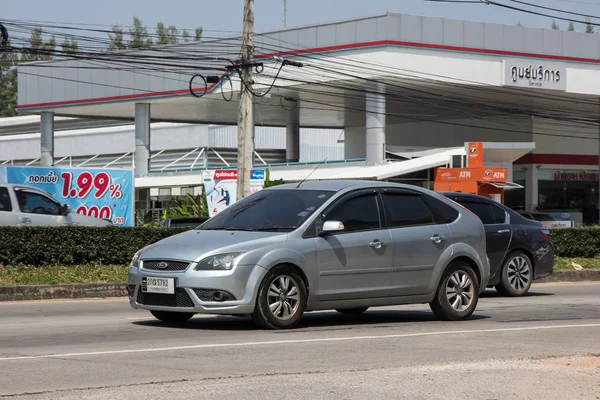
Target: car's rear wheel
<point x="172" y="317"/>
<point x="352" y="311"/>
<point x="457" y="294"/>
<point x="517" y="275"/>
<point x="281" y="299"/>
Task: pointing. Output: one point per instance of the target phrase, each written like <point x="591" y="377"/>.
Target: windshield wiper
<point x="276" y="228"/>
<point x="229" y="228"/>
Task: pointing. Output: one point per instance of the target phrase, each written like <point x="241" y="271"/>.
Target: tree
<point x="38" y="50"/>
<point x="589" y="28"/>
<point x="166" y="35"/>
<point x="555" y="25"/>
<point x="139" y="38"/>
<point x="571" y="27"/>
<point x="116" y="39"/>
<point x="138" y="35"/>
<point x="69" y="46"/>
<point x="8" y="82"/>
<point x="519" y="23"/>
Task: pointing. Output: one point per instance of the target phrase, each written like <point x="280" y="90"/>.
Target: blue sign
<point x="99" y="193"/>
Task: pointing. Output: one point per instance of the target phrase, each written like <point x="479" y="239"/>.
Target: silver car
<point x="343" y="245"/>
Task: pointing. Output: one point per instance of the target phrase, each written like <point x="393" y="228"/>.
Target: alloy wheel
<point x="283" y="297"/>
<point x="519" y="273"/>
<point x="460" y="290"/>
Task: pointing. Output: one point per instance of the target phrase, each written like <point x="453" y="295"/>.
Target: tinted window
<point x="358" y="213"/>
<point x="498" y="214"/>
<point x="543" y="217"/>
<point x="4" y="200"/>
<point x="482" y="210"/>
<point x="36" y="203"/>
<point x="403" y="209"/>
<point x="442" y="212"/>
<point x="269" y="210"/>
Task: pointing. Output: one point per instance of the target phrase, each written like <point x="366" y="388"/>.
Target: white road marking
<point x="299" y="341"/>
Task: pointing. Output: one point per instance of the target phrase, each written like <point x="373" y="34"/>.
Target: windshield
<point x="269" y="210"/>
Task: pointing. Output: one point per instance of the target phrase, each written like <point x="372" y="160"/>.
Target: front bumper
<point x="194" y="289"/>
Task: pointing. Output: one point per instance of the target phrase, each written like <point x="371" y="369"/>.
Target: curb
<point x="589" y="275"/>
<point x="103" y="290"/>
<point x="71" y="291"/>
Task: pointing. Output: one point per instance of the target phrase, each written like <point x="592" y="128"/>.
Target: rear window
<point x="442" y="213"/>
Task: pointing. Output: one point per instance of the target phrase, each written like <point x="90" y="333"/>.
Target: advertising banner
<point x="221" y="188"/>
<point x="99" y="193"/>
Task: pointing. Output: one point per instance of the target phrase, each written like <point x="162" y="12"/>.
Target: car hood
<point x="196" y="244"/>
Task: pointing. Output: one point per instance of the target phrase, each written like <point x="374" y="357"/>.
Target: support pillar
<point x="142" y="139"/>
<point x="531" y="188"/>
<point x="292" y="136"/>
<point x="375" y="125"/>
<point x="47" y="139"/>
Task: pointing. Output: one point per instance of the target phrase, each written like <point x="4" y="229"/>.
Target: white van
<point x="22" y="205"/>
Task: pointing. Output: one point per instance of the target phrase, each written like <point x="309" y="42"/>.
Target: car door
<point x="354" y="263"/>
<point x="498" y="231"/>
<point x="36" y="209"/>
<point x="418" y="241"/>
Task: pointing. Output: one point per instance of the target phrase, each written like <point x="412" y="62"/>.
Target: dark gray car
<point x="344" y="245"/>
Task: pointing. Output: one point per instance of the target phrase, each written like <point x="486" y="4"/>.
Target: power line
<point x="553" y="9"/>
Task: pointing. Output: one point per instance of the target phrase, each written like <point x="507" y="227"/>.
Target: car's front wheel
<point x="172" y="317"/>
<point x="457" y="294"/>
<point x="517" y="275"/>
<point x="281" y="299"/>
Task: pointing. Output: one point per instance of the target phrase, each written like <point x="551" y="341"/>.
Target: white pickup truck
<point x="22" y="205"/>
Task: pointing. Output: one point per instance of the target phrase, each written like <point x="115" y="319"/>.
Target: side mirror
<point x="65" y="209"/>
<point x="332" y="226"/>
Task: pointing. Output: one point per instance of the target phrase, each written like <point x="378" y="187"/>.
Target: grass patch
<point x="564" y="264"/>
<point x="91" y="273"/>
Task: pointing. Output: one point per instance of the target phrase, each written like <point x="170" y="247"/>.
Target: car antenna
<point x="312" y="172"/>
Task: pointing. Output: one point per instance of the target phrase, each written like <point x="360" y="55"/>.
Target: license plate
<point x="158" y="285"/>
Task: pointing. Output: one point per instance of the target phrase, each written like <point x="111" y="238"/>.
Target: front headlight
<point x="135" y="261"/>
<point x="218" y="262"/>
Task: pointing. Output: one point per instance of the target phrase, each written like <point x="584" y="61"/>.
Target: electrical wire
<point x="553" y="9"/>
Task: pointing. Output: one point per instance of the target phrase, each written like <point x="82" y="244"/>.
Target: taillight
<point x="546" y="234"/>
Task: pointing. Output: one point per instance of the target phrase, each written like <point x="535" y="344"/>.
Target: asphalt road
<point x="543" y="346"/>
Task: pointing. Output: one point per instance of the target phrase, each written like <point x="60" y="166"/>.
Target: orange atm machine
<point x="475" y="179"/>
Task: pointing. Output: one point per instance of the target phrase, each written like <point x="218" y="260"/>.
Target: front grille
<point x="179" y="299"/>
<point x="170" y="265"/>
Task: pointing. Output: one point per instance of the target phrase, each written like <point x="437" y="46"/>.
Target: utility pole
<point x="246" y="110"/>
<point x="284" y="13"/>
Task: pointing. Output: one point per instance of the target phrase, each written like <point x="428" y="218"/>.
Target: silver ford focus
<point x="342" y="245"/>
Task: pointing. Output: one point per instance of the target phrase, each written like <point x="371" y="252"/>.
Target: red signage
<point x="475" y="155"/>
<point x="575" y="176"/>
<point x="471" y="174"/>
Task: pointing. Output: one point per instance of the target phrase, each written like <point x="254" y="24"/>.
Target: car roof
<point x="339" y="185"/>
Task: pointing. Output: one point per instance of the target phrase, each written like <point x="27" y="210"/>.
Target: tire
<point x="352" y="311"/>
<point x="517" y="275"/>
<point x="172" y="317"/>
<point x="448" y="304"/>
<point x="277" y="308"/>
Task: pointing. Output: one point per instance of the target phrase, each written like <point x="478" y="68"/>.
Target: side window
<point x="357" y="214"/>
<point x="442" y="212"/>
<point x="35" y="203"/>
<point x="499" y="215"/>
<point x="5" y="204"/>
<point x="482" y="210"/>
<point x="403" y="209"/>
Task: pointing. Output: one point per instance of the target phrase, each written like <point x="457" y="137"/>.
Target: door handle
<point x="437" y="239"/>
<point x="377" y="244"/>
<point x="504" y="231"/>
<point x="26" y="220"/>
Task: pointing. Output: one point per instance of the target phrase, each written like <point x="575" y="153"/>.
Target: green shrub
<point x="581" y="242"/>
<point x="40" y="246"/>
